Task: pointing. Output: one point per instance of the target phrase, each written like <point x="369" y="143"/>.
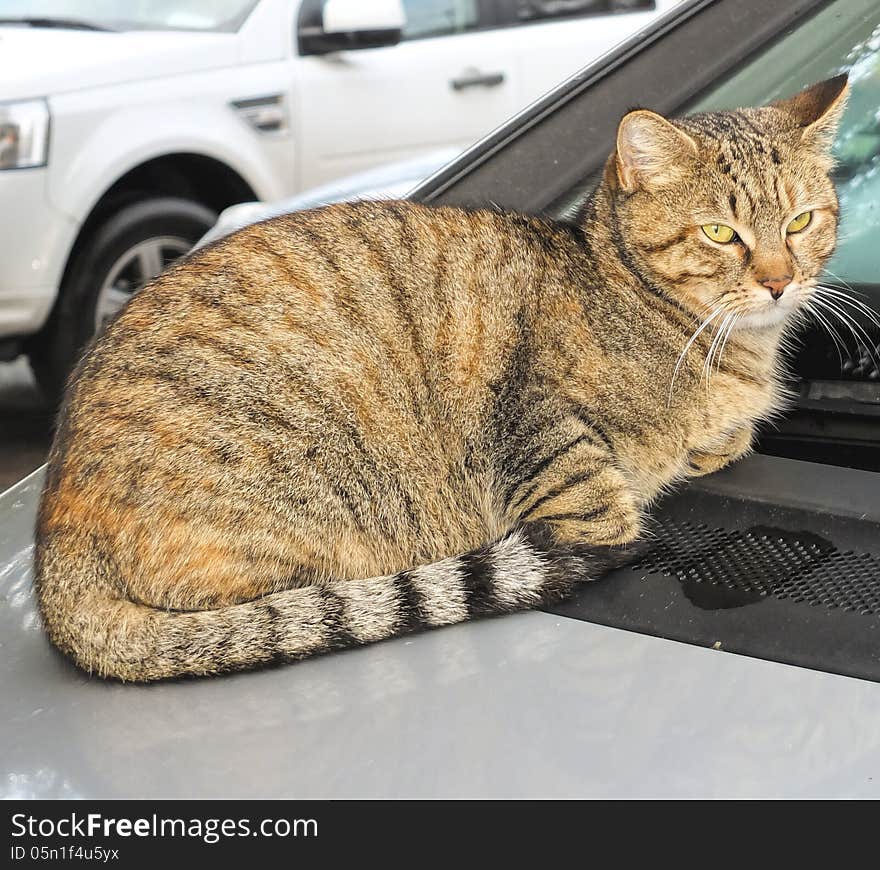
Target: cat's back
<point x="381" y="268"/>
<point x="376" y="297"/>
<point x="370" y="334"/>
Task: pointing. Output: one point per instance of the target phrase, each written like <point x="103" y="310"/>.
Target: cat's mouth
<point x="766" y="318"/>
<point x="766" y="312"/>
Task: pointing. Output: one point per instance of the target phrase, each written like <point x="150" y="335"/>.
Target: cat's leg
<point x="578" y="510"/>
<point x="577" y="492"/>
<point x="585" y="521"/>
<point x="732" y="447"/>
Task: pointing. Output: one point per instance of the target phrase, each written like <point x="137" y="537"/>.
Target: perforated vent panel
<point x="763" y="560"/>
<point x="791" y="584"/>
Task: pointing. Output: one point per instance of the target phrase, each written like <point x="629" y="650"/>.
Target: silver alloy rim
<point x="137" y="266"/>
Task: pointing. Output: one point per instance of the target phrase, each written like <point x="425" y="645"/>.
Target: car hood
<point x="37" y="62"/>
<point x="513" y="707"/>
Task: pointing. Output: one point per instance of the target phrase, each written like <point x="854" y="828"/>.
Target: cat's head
<point x="731" y="210"/>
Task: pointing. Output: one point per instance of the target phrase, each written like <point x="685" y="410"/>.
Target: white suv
<point x="127" y="125"/>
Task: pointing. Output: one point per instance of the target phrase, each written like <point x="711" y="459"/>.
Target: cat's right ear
<point x="651" y="151"/>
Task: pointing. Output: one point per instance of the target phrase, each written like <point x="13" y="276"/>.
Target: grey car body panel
<point x="532" y="705"/>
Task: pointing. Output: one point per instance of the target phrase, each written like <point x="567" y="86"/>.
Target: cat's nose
<point x="777" y="286"/>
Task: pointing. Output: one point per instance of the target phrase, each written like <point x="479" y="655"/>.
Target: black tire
<point x="54" y="351"/>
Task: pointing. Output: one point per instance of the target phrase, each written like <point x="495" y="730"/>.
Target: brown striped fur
<point x="361" y="390"/>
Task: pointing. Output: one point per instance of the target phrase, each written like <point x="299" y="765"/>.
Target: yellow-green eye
<point x="719" y="233"/>
<point x="801" y="222"/>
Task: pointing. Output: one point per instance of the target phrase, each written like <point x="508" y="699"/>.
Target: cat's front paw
<point x="617" y="521"/>
<point x="701" y="462"/>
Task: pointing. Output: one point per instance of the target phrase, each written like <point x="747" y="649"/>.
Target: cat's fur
<point x="255" y="459"/>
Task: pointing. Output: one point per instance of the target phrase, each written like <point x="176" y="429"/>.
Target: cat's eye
<point x="719" y="233"/>
<point x="801" y="222"/>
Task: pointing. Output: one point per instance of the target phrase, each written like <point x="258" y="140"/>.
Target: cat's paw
<point x="702" y="462"/>
<point x="614" y="525"/>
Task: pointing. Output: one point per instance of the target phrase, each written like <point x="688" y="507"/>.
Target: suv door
<point x="552" y="39"/>
<point x="448" y="82"/>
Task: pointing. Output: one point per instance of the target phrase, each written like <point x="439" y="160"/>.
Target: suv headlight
<point x="24" y="134"/>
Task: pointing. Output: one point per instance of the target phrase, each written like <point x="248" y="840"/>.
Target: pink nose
<point x="777" y="286"/>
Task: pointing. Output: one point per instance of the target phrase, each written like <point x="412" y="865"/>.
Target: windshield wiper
<point x="61" y="23"/>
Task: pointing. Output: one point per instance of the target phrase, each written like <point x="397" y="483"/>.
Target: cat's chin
<point x="764" y="318"/>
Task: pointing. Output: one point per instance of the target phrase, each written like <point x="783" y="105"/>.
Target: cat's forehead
<point x="752" y="160"/>
<point x="747" y="131"/>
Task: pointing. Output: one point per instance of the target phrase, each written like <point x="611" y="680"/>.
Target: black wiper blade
<point x="61" y="23"/>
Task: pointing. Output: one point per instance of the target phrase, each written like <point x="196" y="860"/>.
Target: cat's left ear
<point x="818" y="109"/>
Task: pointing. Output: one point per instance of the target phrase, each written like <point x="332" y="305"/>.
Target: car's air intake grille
<point x="763" y="560"/>
<point x="792" y="584"/>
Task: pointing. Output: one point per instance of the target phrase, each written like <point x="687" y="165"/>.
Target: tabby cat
<point x="285" y="443"/>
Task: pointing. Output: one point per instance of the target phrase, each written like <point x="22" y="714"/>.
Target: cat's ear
<point x="651" y="151"/>
<point x="818" y="109"/>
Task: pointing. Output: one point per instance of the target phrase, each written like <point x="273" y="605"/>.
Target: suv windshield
<point x="206" y="15"/>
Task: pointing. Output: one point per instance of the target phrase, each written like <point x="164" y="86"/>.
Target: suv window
<point x="845" y="37"/>
<point x="218" y="15"/>
<point x="439" y="17"/>
<point x="523" y="11"/>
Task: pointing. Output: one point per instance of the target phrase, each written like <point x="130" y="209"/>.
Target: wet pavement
<point x="25" y="423"/>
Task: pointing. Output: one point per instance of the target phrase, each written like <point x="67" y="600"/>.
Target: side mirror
<point x="346" y="25"/>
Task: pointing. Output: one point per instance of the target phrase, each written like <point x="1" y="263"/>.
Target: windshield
<point x="206" y="15"/>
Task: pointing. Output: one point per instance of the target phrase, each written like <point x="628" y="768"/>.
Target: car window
<point x="219" y="15"/>
<point x="524" y="11"/>
<point x="844" y="37"/>
<point x="439" y="17"/>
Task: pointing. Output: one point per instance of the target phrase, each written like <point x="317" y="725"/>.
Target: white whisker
<point x="707" y="364"/>
<point x="839" y="343"/>
<point x="864" y="311"/>
<point x="730" y="329"/>
<point x="861" y="337"/>
<point x="687" y="347"/>
<point x="860" y="306"/>
<point x="837" y="277"/>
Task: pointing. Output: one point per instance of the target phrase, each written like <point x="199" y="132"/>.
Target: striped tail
<point x="118" y="638"/>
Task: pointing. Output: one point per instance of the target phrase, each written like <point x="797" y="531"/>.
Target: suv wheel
<point x="129" y="248"/>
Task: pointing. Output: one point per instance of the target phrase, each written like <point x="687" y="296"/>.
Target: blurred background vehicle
<point x="127" y="125"/>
